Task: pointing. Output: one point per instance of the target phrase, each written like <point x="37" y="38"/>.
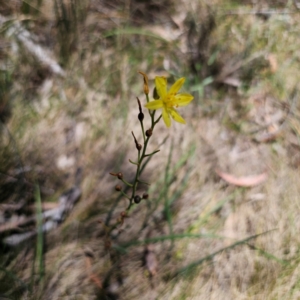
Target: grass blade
<point x="197" y="263"/>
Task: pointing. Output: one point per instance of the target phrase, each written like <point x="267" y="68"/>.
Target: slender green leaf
<point x="197" y="263"/>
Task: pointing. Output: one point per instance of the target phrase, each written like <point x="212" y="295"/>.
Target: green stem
<point x="142" y="156"/>
<point x="134" y="163"/>
<point x="152" y="153"/>
<point x="143" y="130"/>
<point x="127" y="183"/>
<point x="147" y="98"/>
<point x="135" y="184"/>
<point x="125" y="195"/>
<point x="144" y="182"/>
<point x="158" y="119"/>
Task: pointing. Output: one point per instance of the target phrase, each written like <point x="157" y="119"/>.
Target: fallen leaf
<point x="273" y="62"/>
<point x="88" y="262"/>
<point x="246" y="181"/>
<point x="150" y="259"/>
<point x="268" y="137"/>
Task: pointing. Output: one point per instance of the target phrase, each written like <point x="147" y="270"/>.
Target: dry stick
<point x="26" y="38"/>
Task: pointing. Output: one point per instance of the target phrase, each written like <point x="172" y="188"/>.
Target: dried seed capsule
<point x="123" y="214"/>
<point x="118" y="188"/>
<point x="146" y="87"/>
<point x="107" y="244"/>
<point x="137" y="145"/>
<point x="141" y="116"/>
<point x="145" y="196"/>
<point x="149" y="132"/>
<point x="120" y="175"/>
<point x="137" y="199"/>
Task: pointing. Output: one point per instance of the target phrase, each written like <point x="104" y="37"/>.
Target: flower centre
<point x="170" y="100"/>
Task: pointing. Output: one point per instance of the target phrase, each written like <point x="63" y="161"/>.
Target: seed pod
<point x="118" y="188"/>
<point x="120" y="175"/>
<point x="107" y="244"/>
<point x="149" y="132"/>
<point x="137" y="199"/>
<point x="141" y="116"/>
<point x="145" y="196"/>
<point x="137" y="145"/>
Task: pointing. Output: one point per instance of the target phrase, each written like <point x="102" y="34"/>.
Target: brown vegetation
<point x="221" y="221"/>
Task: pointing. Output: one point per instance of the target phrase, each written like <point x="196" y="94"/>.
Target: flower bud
<point x="118" y="188"/>
<point x="149" y="132"/>
<point x="137" y="199"/>
<point x="145" y="196"/>
<point x="120" y="175"/>
<point x="138" y="146"/>
<point x="155" y="94"/>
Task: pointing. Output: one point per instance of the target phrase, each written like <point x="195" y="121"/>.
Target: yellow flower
<point x="169" y="99"/>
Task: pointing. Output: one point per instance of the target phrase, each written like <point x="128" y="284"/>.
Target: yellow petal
<point x="166" y="117"/>
<point x="177" y="85"/>
<point x="176" y="116"/>
<point x="161" y="86"/>
<point x="183" y="99"/>
<point x="156" y="104"/>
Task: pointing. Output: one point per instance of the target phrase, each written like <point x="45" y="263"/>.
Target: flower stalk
<point x="164" y="99"/>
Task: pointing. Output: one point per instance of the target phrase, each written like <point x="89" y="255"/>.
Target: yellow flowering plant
<point x="168" y="101"/>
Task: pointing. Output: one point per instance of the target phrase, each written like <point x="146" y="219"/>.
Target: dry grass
<point x="243" y="70"/>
